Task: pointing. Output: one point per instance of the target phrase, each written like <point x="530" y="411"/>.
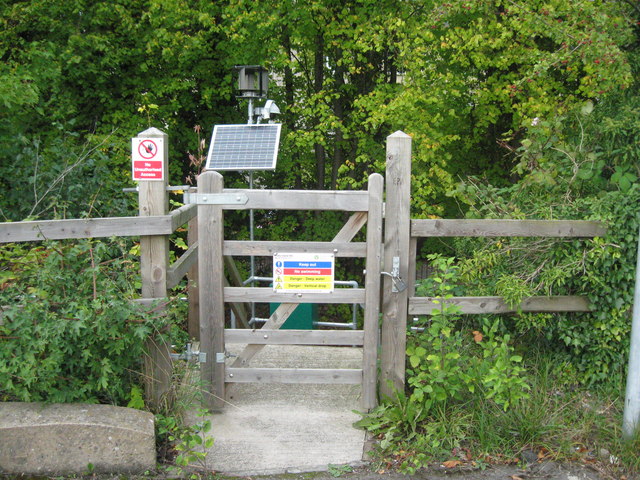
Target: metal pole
<point x="252" y="271"/>
<point x="250" y="121"/>
<point x="631" y="415"/>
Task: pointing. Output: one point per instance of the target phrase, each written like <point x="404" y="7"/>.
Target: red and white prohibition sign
<point x="147" y="149"/>
<point x="147" y="156"/>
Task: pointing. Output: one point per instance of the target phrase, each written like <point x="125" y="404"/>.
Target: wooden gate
<point x="154" y="225"/>
<point x="366" y="208"/>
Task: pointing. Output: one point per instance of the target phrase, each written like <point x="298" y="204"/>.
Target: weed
<point x="339" y="470"/>
<point x="191" y="443"/>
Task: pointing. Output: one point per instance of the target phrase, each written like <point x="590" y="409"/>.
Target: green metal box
<point x="302" y="317"/>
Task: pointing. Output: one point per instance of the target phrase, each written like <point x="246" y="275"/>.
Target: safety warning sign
<point x="147" y="155"/>
<point x="303" y="272"/>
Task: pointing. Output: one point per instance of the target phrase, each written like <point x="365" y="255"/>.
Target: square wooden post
<point x="211" y="287"/>
<point x="372" y="294"/>
<point x="396" y="261"/>
<point x="154" y="259"/>
<point x="193" y="318"/>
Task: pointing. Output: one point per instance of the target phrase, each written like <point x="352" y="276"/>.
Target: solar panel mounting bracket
<point x="216" y="198"/>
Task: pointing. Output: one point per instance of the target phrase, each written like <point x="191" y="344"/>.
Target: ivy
<point x="595" y="344"/>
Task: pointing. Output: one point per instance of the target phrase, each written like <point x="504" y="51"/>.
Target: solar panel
<point x="244" y="147"/>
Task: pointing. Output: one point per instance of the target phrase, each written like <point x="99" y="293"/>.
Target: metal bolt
<point x="204" y="199"/>
<point x="231" y="375"/>
<point x="335" y="250"/>
<point x="299" y="295"/>
<point x="266" y="336"/>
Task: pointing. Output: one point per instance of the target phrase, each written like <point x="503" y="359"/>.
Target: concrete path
<point x="273" y="428"/>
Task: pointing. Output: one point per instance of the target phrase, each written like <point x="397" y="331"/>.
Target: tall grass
<point x="559" y="420"/>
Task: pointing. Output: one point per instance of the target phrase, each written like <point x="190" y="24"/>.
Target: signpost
<point x="303" y="272"/>
<point x="147" y="156"/>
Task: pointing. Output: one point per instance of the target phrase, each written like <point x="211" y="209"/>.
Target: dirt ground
<point x="547" y="470"/>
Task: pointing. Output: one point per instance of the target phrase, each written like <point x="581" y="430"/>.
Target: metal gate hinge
<point x="216" y="198"/>
<point x="189" y="355"/>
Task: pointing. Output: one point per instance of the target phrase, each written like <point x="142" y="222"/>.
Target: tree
<point x="94" y="68"/>
<point x="328" y="55"/>
<point x="479" y="73"/>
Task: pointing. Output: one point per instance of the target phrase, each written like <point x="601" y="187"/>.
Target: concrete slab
<point x="63" y="439"/>
<point x="275" y="428"/>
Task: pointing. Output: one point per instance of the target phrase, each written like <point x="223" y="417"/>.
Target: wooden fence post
<point x="372" y="293"/>
<point x="154" y="259"/>
<point x="193" y="292"/>
<point x="211" y="285"/>
<point x="396" y="260"/>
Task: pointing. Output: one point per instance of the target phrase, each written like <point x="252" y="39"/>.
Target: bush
<point x="70" y="332"/>
<point x="451" y="364"/>
<point x="594" y="344"/>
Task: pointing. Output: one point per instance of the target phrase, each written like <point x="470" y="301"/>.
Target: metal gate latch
<point x="221" y="356"/>
<point x="397" y="284"/>
<point x="189" y="355"/>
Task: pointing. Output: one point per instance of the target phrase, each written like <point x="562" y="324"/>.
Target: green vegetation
<point x="71" y="332"/>
<point x="490" y="389"/>
<point x="517" y="109"/>
<point x="556" y="420"/>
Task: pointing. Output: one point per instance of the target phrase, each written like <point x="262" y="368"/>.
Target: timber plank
<point x="266" y="248"/>
<point x="193" y="319"/>
<point x="182" y="266"/>
<point x="506" y="228"/>
<point x="396" y="245"/>
<point x="351" y="228"/>
<point x="342" y="376"/>
<point x="372" y="293"/>
<point x="212" y="313"/>
<point x="267" y="295"/>
<point x="348" y="201"/>
<point x="154" y="258"/>
<point x="85" y="228"/>
<point x="480" y="305"/>
<point x="235" y="279"/>
<point x="182" y="215"/>
<point x="294" y="337"/>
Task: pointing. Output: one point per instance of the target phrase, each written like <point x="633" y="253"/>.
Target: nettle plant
<point x="448" y="361"/>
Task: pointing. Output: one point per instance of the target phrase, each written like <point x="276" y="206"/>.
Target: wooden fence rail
<point x="395" y="257"/>
<point x="506" y="228"/>
<point x="501" y="228"/>
<point x="345" y="201"/>
<point x="39" y="230"/>
<point x="482" y="305"/>
<point x="88" y="228"/>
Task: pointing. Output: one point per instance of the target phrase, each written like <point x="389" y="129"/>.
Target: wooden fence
<point x="155" y="224"/>
<point x="401" y="235"/>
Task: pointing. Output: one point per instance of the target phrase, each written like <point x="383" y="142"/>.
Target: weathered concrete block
<point x="62" y="439"/>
